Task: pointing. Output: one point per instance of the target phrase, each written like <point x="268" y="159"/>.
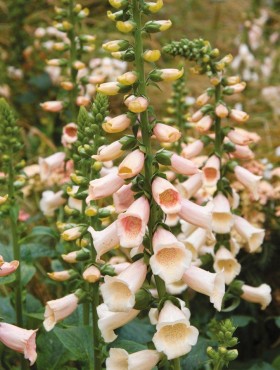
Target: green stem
<point x="86" y="312"/>
<point x="176" y="364"/>
<point x="15" y="244"/>
<point x="145" y="130"/>
<point x="218" y="365"/>
<point x="95" y="329"/>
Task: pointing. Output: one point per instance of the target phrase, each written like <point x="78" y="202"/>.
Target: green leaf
<point x="261" y="366"/>
<point x="8" y="279"/>
<point x="277" y="321"/>
<point x="242" y="320"/>
<point x="52" y="355"/>
<point x="128" y="345"/>
<point x="31" y="251"/>
<point x="77" y="340"/>
<point x="197" y="357"/>
<point x="276" y="363"/>
<point x="6" y="252"/>
<point x="7" y="311"/>
<point x="140" y="329"/>
<point x="42" y="231"/>
<point x="27" y="273"/>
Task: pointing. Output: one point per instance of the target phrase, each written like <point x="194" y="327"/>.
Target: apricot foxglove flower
<point x="222" y="219"/>
<point x="19" y="340"/>
<point x="123" y="198"/>
<point x="192" y="149"/>
<point x="260" y="294"/>
<point x="131" y="225"/>
<point x="254" y="236"/>
<point x="132" y="164"/>
<point x="69" y="134"/>
<point x="105" y="240"/>
<point x="119" y="359"/>
<point x="91" y="274"/>
<point x="51" y="201"/>
<point x="204" y="124"/>
<point x="62" y="275"/>
<point x="116" y="124"/>
<point x="166" y="196"/>
<point x="47" y="166"/>
<point x="7" y="268"/>
<point x="195" y="214"/>
<point x="174" y="336"/>
<point x="166" y="134"/>
<point x="226" y="262"/>
<point x="211" y="171"/>
<point x="110" y="321"/>
<point x="208" y="283"/>
<point x="192" y="185"/>
<point x="104" y="187"/>
<point x="151" y="56"/>
<point x="136" y="104"/>
<point x="118" y="292"/>
<point x="58" y="309"/>
<point x="238" y="116"/>
<point x="52" y="106"/>
<point x="170" y="259"/>
<point x="182" y="165"/>
<point x="109" y="152"/>
<point x="248" y="179"/>
<point x="195" y="241"/>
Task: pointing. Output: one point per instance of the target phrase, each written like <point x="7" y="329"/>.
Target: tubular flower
<point x="131" y="225"/>
<point x="109" y="152"/>
<point x="132" y="164"/>
<point x="193" y="149"/>
<point x="260" y="295"/>
<point x="119" y="359"/>
<point x="195" y="214"/>
<point x="194" y="241"/>
<point x="211" y="171"/>
<point x="222" y="219"/>
<point x="105" y="240"/>
<point x="225" y="261"/>
<point x="104" y="187"/>
<point x="253" y="235"/>
<point x="59" y="309"/>
<point x="7" y="268"/>
<point x="206" y="283"/>
<point x="50" y="164"/>
<point x="166" y="196"/>
<point x="19" y="340"/>
<point x="182" y="165"/>
<point x="166" y="134"/>
<point x="116" y="124"/>
<point x="123" y="198"/>
<point x="110" y="321"/>
<point x="118" y="292"/>
<point x="170" y="259"/>
<point x="192" y="185"/>
<point x="136" y="104"/>
<point x="51" y="201"/>
<point x="174" y="336"/>
<point x="248" y="179"/>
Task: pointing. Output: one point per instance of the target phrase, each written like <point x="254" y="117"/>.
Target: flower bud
<point x="52" y="106"/>
<point x="154" y="7"/>
<point x="168" y="74"/>
<point x="116" y="124"/>
<point x="116" y="45"/>
<point x="112" y="88"/>
<point x="126" y="26"/>
<point x="157" y="26"/>
<point x="62" y="275"/>
<point x="91" y="274"/>
<point x="203" y="99"/>
<point x="57" y="62"/>
<point x="128" y="78"/>
<point x="151" y="55"/>
<point x="78" y="65"/>
<point x="3" y="199"/>
<point x="238" y="116"/>
<point x="67" y="85"/>
<point x="117" y="4"/>
<point x="136" y="104"/>
<point x="76" y="256"/>
<point x="221" y="110"/>
<point x="71" y="234"/>
<point x="127" y="56"/>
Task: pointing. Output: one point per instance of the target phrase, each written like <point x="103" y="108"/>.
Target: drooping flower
<point x="7" y="268"/>
<point x="225" y="261"/>
<point x="104" y="187"/>
<point x="132" y="164"/>
<point x="222" y="219"/>
<point x="119" y="359"/>
<point x="260" y="294"/>
<point x="166" y="196"/>
<point x="253" y="235"/>
<point x="51" y="201"/>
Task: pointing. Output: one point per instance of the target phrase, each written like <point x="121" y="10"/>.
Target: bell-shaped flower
<point x="195" y="241"/>
<point x="238" y="116"/>
<point x="242" y="152"/>
<point x="19" y="340"/>
<point x="131" y="225"/>
<point x="91" y="274"/>
<point x="211" y="171"/>
<point x="116" y="124"/>
<point x="208" y="283"/>
<point x="225" y="261"/>
<point x="204" y="124"/>
<point x="195" y="214"/>
<point x="260" y="294"/>
<point x="239" y="137"/>
<point x="182" y="165"/>
<point x="58" y="309"/>
<point x="109" y="152"/>
<point x="104" y="187"/>
<point x="51" y="201"/>
<point x="123" y="198"/>
<point x="166" y="196"/>
<point x="192" y="149"/>
<point x="118" y="292"/>
<point x="7" y="268"/>
<point x="222" y="219"/>
<point x="221" y="110"/>
<point x="52" y="106"/>
<point x="64" y="275"/>
<point x="170" y="259"/>
<point x="136" y="104"/>
<point x="166" y="134"/>
<point x="176" y="288"/>
<point x="69" y="134"/>
<point x="119" y="359"/>
<point x="110" y="321"/>
<point x="172" y="219"/>
<point x="253" y="235"/>
<point x="105" y="240"/>
<point x="50" y="164"/>
<point x="191" y="186"/>
<point x="248" y="179"/>
<point x="174" y="336"/>
<point x="132" y="164"/>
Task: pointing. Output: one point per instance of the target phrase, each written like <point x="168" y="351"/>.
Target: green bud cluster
<point x="198" y="51"/>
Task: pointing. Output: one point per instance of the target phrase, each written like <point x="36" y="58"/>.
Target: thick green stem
<point x="145" y="129"/>
<point x="15" y="244"/>
<point x="176" y="364"/>
<point x="218" y="365"/>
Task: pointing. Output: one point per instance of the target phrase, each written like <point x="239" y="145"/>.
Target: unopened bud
<point x="62" y="275"/>
<point x="126" y="26"/>
<point x="116" y="45"/>
<point x="76" y="256"/>
<point x="128" y="78"/>
<point x="91" y="274"/>
<point x="151" y="55"/>
<point x="157" y="26"/>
